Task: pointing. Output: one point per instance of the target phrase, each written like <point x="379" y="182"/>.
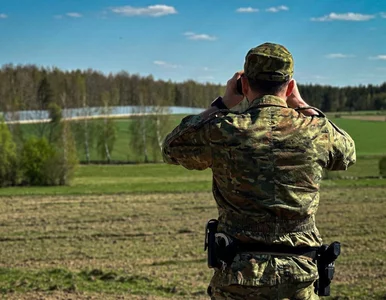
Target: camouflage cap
<point x="272" y="62"/>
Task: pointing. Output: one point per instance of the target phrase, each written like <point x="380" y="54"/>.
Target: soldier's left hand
<point x="231" y="97"/>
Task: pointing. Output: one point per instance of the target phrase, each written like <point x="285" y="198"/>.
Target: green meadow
<point x="136" y="231"/>
<point x="368" y="136"/>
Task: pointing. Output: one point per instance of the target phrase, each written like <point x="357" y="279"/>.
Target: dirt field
<point x="151" y="246"/>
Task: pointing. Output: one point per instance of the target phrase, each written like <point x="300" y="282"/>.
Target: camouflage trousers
<point x="298" y="291"/>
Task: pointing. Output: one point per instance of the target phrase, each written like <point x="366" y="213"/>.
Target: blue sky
<point x="335" y="42"/>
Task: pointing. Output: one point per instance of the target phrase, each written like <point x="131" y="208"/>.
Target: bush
<point x="58" y="170"/>
<point x="382" y="167"/>
<point x="9" y="171"/>
<point x="36" y="156"/>
<point x="49" y="164"/>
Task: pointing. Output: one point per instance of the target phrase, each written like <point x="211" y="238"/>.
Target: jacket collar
<point x="268" y="100"/>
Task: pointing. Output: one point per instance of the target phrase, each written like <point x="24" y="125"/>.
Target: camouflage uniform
<point x="267" y="165"/>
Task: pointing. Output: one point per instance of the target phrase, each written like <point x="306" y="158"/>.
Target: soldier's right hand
<point x="295" y="99"/>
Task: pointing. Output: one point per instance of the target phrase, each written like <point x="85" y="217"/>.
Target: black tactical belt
<point x="310" y="252"/>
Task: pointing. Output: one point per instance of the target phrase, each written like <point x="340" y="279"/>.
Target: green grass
<point x="163" y="178"/>
<point x="369" y="136"/>
<point x="365" y="167"/>
<point x="113" y="179"/>
<point x="93" y="280"/>
<point x="358" y="113"/>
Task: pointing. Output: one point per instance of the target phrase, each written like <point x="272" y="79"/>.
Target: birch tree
<point x="61" y="167"/>
<point x="83" y="128"/>
<point x="107" y="130"/>
<point x="139" y="125"/>
<point x="44" y="99"/>
<point x="160" y="118"/>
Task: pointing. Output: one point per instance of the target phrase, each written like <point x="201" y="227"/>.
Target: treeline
<point x="26" y="87"/>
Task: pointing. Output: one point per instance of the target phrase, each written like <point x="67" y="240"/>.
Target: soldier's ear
<point x="245" y="84"/>
<point x="290" y="88"/>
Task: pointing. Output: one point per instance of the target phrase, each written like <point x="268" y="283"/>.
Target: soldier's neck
<point x="256" y="95"/>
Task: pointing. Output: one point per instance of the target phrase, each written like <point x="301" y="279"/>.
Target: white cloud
<point x="339" y="55"/>
<point x="383" y="15"/>
<point x="246" y="10"/>
<point x="343" y="17"/>
<point x="378" y="57"/>
<point x="164" y="64"/>
<point x="197" y="37"/>
<point x="58" y="17"/>
<point x="152" y="10"/>
<point x="277" y="8"/>
<point x="3" y="16"/>
<point x="74" y="15"/>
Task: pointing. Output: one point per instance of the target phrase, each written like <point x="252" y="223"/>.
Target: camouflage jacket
<point x="267" y="165"/>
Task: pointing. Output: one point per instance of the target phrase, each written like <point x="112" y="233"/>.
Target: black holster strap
<point x="310" y="252"/>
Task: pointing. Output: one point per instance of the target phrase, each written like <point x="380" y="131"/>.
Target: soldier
<point x="267" y="165"/>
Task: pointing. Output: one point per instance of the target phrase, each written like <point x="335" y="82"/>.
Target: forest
<point x="28" y="87"/>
